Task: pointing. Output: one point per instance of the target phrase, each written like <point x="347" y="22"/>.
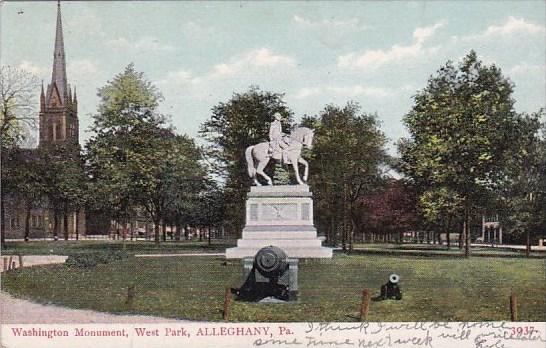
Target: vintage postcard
<point x="358" y="174"/>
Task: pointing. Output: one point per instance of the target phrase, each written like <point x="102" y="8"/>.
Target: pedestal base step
<point x="309" y="252"/>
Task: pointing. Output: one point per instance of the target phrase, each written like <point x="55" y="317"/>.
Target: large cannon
<point x="270" y="274"/>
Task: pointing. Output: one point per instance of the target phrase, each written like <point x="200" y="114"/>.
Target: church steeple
<point x="58" y="108"/>
<point x="58" y="75"/>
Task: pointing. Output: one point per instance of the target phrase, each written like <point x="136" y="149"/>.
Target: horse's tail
<point x="250" y="161"/>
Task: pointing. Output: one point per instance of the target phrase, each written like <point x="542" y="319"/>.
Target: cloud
<point x="420" y="35"/>
<point x="32" y="68"/>
<point x="510" y="27"/>
<point x="342" y="91"/>
<point x="372" y="59"/>
<point x="146" y="43"/>
<point x="514" y="25"/>
<point x="350" y="23"/>
<point x="262" y="58"/>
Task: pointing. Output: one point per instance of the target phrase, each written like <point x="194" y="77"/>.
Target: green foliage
<point x="135" y="161"/>
<point x="90" y="260"/>
<point x="524" y="197"/>
<point x="464" y="135"/>
<point x="233" y="126"/>
<point x="347" y="162"/>
<point x="281" y="175"/>
<point x="126" y="101"/>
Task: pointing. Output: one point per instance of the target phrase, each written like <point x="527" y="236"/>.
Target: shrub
<point x="89" y="260"/>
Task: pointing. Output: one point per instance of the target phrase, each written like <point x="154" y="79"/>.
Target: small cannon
<point x="390" y="290"/>
<point x="270" y="274"/>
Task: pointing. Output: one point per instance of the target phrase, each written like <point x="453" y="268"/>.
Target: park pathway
<point x="18" y="311"/>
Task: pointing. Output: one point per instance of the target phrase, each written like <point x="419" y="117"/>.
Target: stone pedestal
<point x="281" y="216"/>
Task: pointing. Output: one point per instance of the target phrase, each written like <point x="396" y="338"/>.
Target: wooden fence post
<point x="365" y="305"/>
<point x="10" y="262"/>
<point x="513" y="307"/>
<point x="20" y="261"/>
<point x="5" y="263"/>
<point x="130" y="295"/>
<point x="227" y="302"/>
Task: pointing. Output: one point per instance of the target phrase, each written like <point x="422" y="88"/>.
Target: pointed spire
<point x="42" y="97"/>
<point x="58" y="76"/>
<point x="75" y="97"/>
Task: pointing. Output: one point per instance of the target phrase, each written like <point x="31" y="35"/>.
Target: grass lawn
<point x="72" y="247"/>
<point x="434" y="288"/>
<point x="415" y="249"/>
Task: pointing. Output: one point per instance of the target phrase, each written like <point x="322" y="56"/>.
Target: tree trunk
<point x="164" y="230"/>
<point x="178" y="230"/>
<point x="27" y="222"/>
<point x="333" y="239"/>
<point x="466" y="234"/>
<point x="527" y="242"/>
<point x="461" y="233"/>
<point x="209" y="237"/>
<point x="55" y="225"/>
<point x="156" y="231"/>
<point x="186" y="232"/>
<point x="65" y="225"/>
<point x="2" y="219"/>
<point x="77" y="217"/>
<point x="352" y="235"/>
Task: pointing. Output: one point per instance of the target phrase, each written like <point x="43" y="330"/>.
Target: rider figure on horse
<point x="278" y="141"/>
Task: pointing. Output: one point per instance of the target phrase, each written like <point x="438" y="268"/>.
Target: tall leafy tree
<point x="123" y="126"/>
<point x="64" y="181"/>
<point x="348" y="161"/>
<point x="18" y="89"/>
<point x="233" y="126"/>
<point x="29" y="173"/>
<point x="463" y="128"/>
<point x="524" y="196"/>
<point x="135" y="160"/>
<point x="389" y="211"/>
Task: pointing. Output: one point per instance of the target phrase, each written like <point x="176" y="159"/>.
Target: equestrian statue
<point x="281" y="147"/>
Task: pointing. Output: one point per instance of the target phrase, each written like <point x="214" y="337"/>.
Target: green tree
<point x="17" y="119"/>
<point x="463" y="128"/>
<point x="29" y="174"/>
<point x="347" y="162"/>
<point x="116" y="153"/>
<point x="170" y="163"/>
<point x="134" y="159"/>
<point x="233" y="126"/>
<point x="64" y="181"/>
<point x="524" y="195"/>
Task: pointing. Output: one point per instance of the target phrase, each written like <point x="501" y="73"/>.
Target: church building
<point x="58" y="124"/>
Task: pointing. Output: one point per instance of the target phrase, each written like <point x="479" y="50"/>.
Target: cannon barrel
<point x="271" y="262"/>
